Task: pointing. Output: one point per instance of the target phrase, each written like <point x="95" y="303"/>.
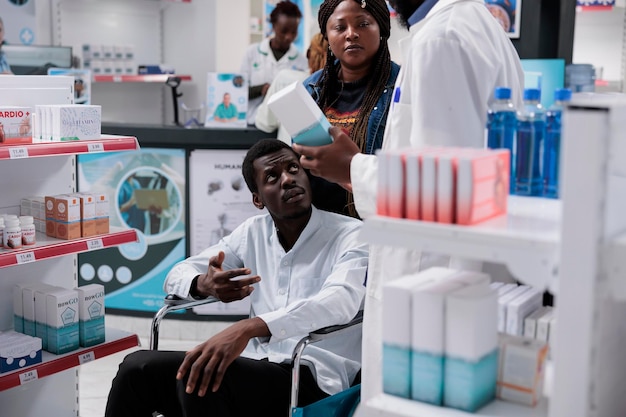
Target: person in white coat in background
<point x="454" y="58"/>
<point x="265" y="59"/>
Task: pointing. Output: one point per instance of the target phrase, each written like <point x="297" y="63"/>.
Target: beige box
<point x="102" y="213"/>
<point x="87" y="214"/>
<point x="50" y="204"/>
<point x="67" y="214"/>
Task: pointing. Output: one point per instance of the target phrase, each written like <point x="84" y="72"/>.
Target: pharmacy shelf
<point x="106" y="143"/>
<point x="115" y="341"/>
<point x="390" y="406"/>
<point x="146" y="78"/>
<point x="47" y="247"/>
<point x="526" y="239"/>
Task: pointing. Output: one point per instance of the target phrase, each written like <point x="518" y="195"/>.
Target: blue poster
<point x="146" y="190"/>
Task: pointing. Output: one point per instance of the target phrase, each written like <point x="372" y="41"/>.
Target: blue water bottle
<point x="531" y="128"/>
<point x="501" y="123"/>
<point x="552" y="144"/>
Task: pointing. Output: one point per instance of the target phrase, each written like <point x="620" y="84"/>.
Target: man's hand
<point x="224" y="285"/>
<point x="207" y="362"/>
<point x="331" y="162"/>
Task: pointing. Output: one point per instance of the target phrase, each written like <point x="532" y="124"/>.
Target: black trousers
<point x="146" y="382"/>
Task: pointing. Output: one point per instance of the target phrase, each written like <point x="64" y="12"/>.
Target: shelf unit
<point x="576" y="247"/>
<point x="48" y="388"/>
<point x="145" y="78"/>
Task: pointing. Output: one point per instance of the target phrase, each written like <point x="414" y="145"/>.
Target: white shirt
<point x="259" y="66"/>
<point x="453" y="60"/>
<point x="318" y="283"/>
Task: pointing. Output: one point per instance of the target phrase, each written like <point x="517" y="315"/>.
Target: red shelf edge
<point x="67" y="247"/>
<point x="122" y="143"/>
<point x="68" y="361"/>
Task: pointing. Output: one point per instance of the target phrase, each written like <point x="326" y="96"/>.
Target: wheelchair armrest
<point x="332" y="331"/>
<point x="315" y="336"/>
<point x="173" y="302"/>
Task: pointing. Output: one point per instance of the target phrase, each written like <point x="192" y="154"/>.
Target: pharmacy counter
<point x="162" y="136"/>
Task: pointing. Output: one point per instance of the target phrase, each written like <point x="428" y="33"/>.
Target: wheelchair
<point x="342" y="404"/>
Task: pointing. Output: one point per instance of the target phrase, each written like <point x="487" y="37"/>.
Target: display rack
<point x="115" y="341"/>
<point x="39" y="169"/>
<point x="107" y="143"/>
<point x="576" y="247"/>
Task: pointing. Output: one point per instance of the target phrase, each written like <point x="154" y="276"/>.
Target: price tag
<point x="18" y="152"/>
<point x="28" y="377"/>
<point x="25" y="257"/>
<point x="86" y="357"/>
<point x="117" y="79"/>
<point x="95" y="147"/>
<point x="95" y="244"/>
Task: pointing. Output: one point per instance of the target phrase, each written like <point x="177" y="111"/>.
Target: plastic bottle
<point x="501" y="124"/>
<point x="12" y="234"/>
<point x="531" y="128"/>
<point x="552" y="143"/>
<point x="28" y="230"/>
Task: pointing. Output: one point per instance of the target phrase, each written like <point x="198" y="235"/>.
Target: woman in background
<point x="354" y="89"/>
<point x="265" y="59"/>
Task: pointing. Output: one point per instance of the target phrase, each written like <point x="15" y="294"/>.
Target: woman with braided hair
<point x="354" y="89"/>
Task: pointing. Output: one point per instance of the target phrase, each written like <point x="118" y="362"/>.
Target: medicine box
<point x="482" y="185"/>
<point x="91" y="314"/>
<point x="471" y="347"/>
<point x="87" y="214"/>
<point x="62" y="315"/>
<point x="300" y="115"/>
<point x="503" y="302"/>
<point x="396" y="183"/>
<point x="428" y="340"/>
<point x="67" y="215"/>
<point x="15" y="125"/>
<point x="530" y="322"/>
<point x="102" y="213"/>
<point x="76" y="122"/>
<point x="413" y="170"/>
<point x="521" y="369"/>
<point x="519" y="308"/>
<point x="382" y="199"/>
<point x="51" y="223"/>
<point x="18" y="351"/>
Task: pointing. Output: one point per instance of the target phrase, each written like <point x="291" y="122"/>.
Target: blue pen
<point x="396" y="96"/>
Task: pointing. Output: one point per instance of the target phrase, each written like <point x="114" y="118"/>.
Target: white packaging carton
<point x="62" y="309"/>
<point x="91" y="314"/>
<point x="301" y="117"/>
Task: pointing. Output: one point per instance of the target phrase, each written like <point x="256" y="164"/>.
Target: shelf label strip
<point x="18" y="152"/>
<point x="25" y="257"/>
<point x="95" y="147"/>
<point x="86" y="357"/>
<point x="29" y="376"/>
<point x="95" y="244"/>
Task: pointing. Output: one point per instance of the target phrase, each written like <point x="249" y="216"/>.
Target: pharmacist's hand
<point x="331" y="162"/>
<point x="227" y="285"/>
<point x="207" y="362"/>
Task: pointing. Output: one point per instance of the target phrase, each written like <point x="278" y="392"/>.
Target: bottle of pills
<point x="27" y="225"/>
<point x="12" y="233"/>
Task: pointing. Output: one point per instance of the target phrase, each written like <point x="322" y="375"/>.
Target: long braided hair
<point x="379" y="70"/>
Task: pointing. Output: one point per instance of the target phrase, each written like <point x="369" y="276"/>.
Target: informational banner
<point x="146" y="190"/>
<point x="227" y="100"/>
<point x="19" y="21"/>
<point x="219" y="201"/>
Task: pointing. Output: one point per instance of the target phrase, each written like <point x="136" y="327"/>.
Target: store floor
<point x="95" y="377"/>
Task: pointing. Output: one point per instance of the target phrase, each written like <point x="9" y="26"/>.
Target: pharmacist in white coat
<point x="265" y="59"/>
<point x="454" y="58"/>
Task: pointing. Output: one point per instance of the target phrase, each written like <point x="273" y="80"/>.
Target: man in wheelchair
<point x="302" y="268"/>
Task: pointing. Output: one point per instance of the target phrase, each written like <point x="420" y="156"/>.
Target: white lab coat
<point x="259" y="66"/>
<point x="453" y="60"/>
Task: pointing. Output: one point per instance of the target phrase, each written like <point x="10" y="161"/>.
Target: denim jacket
<point x="378" y="117"/>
